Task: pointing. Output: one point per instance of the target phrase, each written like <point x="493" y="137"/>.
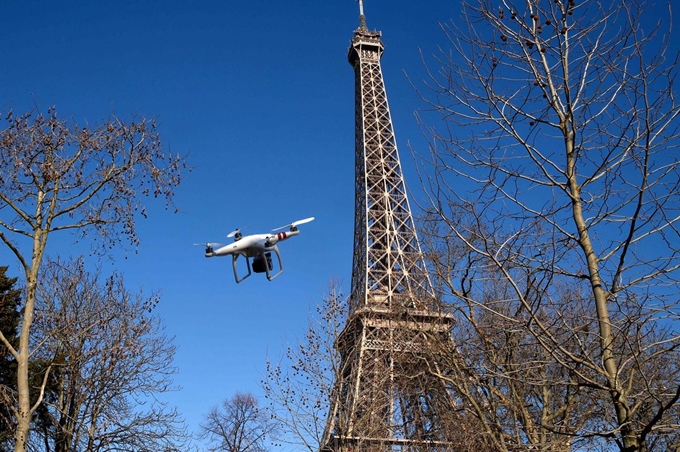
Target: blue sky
<point x="259" y="94"/>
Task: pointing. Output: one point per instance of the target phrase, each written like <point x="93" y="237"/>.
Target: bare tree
<point x="556" y="171"/>
<point x="111" y="363"/>
<point x="299" y="388"/>
<point x="238" y="425"/>
<point x="521" y="397"/>
<point x="57" y="176"/>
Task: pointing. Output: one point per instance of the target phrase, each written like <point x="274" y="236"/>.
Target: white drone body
<point x="258" y="247"/>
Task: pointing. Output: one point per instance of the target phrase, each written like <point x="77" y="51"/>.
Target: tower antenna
<point x="362" y="18"/>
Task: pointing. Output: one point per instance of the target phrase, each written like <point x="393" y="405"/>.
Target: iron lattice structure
<point x="386" y="397"/>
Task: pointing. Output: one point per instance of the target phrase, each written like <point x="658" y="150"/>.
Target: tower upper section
<point x="365" y="44"/>
<point x="388" y="269"/>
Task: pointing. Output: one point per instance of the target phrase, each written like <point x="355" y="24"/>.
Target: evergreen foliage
<point x="10" y="313"/>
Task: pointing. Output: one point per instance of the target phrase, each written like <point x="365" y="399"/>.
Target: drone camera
<point x="260" y="262"/>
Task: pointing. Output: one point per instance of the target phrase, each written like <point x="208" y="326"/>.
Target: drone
<point x="258" y="247"/>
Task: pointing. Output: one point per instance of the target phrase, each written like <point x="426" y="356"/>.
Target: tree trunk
<point x="23" y="389"/>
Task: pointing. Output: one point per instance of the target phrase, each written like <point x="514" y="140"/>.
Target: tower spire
<point x="362" y="18"/>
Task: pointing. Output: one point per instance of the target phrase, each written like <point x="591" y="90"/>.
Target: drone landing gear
<point x="233" y="262"/>
<point x="262" y="263"/>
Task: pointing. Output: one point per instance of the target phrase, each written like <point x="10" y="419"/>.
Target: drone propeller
<point x="235" y="233"/>
<point x="209" y="244"/>
<point x="294" y="224"/>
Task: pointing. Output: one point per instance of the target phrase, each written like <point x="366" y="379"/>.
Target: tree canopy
<point x="552" y="221"/>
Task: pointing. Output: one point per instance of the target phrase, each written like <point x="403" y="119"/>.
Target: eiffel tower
<point x="385" y="398"/>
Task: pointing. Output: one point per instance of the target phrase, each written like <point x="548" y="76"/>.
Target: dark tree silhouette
<point x="10" y="315"/>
